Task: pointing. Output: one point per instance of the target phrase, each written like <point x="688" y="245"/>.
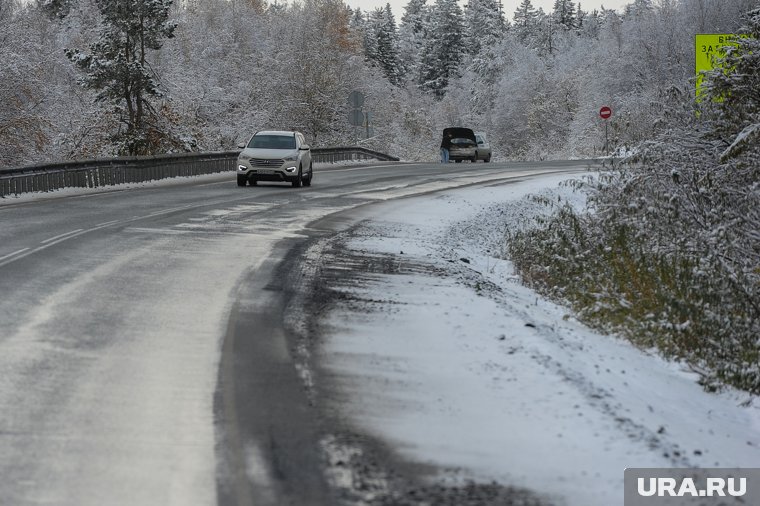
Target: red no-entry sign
<point x="605" y="112"/>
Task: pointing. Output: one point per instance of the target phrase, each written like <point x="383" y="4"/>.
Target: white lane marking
<point x="169" y="211"/>
<point x="12" y="254"/>
<point x="218" y="182"/>
<point x="61" y="235"/>
<point x="23" y="253"/>
<point x="317" y="169"/>
<point x="64" y="237"/>
<point x="46" y="244"/>
<point x="164" y="231"/>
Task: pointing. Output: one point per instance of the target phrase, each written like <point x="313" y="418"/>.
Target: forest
<point x="208" y="73"/>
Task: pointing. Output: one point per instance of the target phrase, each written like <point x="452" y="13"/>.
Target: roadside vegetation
<point x="667" y="252"/>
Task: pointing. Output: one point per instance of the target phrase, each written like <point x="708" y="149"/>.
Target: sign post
<point x="355" y="112"/>
<point x="606" y="113"/>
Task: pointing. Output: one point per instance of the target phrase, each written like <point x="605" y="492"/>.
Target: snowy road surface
<point x="190" y="342"/>
<point x="117" y="306"/>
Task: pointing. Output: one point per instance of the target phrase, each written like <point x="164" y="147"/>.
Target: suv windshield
<point x="273" y="142"/>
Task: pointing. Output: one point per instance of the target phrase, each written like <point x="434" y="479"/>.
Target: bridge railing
<point x="138" y="169"/>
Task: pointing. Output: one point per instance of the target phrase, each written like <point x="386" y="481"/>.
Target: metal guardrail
<point x="139" y="169"/>
<point x="348" y="153"/>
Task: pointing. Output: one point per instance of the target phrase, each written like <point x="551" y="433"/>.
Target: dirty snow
<point x="471" y="371"/>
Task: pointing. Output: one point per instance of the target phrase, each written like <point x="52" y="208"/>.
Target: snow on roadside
<point x="452" y="361"/>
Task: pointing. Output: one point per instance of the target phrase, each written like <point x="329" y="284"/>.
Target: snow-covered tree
<point x="525" y="20"/>
<point x="564" y="13"/>
<point x="381" y="29"/>
<point x="580" y="17"/>
<point x="412" y="35"/>
<point x="545" y="36"/>
<point x="638" y="8"/>
<point x="312" y="87"/>
<point x="22" y="87"/>
<point x="357" y="21"/>
<point x="483" y="23"/>
<point x="55" y="8"/>
<point x="591" y="26"/>
<point x="117" y="66"/>
<point x="444" y="47"/>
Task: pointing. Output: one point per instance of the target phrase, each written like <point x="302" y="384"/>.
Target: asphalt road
<point x="144" y="352"/>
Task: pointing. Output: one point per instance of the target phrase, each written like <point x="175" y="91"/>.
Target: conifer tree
<point x="385" y="42"/>
<point x="443" y="49"/>
<point x="580" y="17"/>
<point x="592" y="23"/>
<point x="525" y="19"/>
<point x="638" y="8"/>
<point x="564" y="13"/>
<point x="484" y="24"/>
<point x="412" y="35"/>
<point x="366" y="25"/>
<point x="117" y="66"/>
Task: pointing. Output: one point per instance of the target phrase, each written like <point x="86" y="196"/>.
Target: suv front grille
<point x="263" y="162"/>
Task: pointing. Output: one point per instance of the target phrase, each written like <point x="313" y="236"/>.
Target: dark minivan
<point x="463" y="144"/>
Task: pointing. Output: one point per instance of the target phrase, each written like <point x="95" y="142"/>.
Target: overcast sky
<point x="509" y="5"/>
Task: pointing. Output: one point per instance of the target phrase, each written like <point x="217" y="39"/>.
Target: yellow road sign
<point x="707" y="48"/>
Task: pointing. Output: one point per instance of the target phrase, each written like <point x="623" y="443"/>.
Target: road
<point x="144" y="353"/>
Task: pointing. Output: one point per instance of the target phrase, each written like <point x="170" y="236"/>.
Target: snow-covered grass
<point x="666" y="255"/>
<point x="446" y="356"/>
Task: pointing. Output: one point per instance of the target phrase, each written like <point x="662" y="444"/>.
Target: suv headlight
<point x="291" y="158"/>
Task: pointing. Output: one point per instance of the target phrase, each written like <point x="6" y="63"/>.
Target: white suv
<point x="275" y="155"/>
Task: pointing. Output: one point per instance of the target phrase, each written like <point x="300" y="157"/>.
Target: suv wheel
<point x="241" y="180"/>
<point x="307" y="181"/>
<point x="297" y="181"/>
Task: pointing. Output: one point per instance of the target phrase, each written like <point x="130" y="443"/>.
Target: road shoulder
<point x="426" y="347"/>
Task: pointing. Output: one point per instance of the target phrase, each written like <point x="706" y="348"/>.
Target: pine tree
<point x="638" y="8"/>
<point x="592" y="23"/>
<point x="580" y="17"/>
<point x="117" y="66"/>
<point x="484" y="24"/>
<point x="546" y="32"/>
<point x="564" y="13"/>
<point x="525" y="19"/>
<point x="412" y="36"/>
<point x="382" y="29"/>
<point x="366" y="26"/>
<point x="356" y="21"/>
<point x="443" y="49"/>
